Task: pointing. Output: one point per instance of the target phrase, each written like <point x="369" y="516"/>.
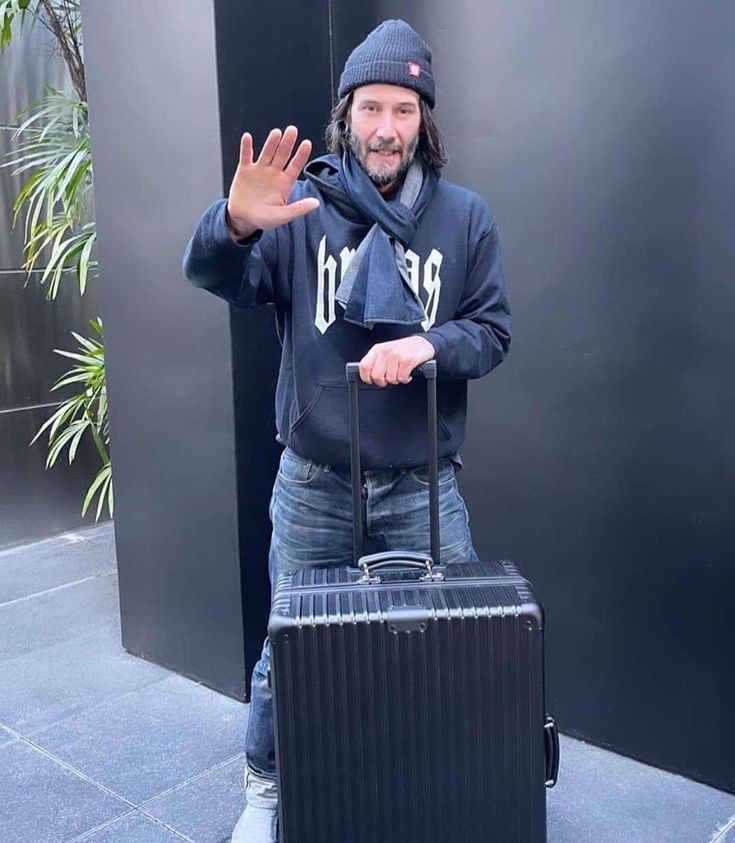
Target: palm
<point x="260" y="189"/>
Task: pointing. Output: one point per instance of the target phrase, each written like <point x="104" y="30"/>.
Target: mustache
<point x="390" y="147"/>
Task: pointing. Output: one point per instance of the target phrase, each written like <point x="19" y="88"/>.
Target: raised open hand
<point x="259" y="191"/>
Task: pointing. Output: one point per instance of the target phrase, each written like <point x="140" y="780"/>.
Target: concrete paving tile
<point x="132" y="828"/>
<point x="602" y="797"/>
<point x="47" y="685"/>
<point x="40" y="800"/>
<point x="206" y="809"/>
<point x="104" y="531"/>
<point x="56" y="616"/>
<point x="32" y="568"/>
<point x="5" y="736"/>
<point x="725" y="832"/>
<point x="151" y="739"/>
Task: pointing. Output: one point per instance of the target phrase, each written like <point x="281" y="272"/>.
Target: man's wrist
<point x="430" y="350"/>
<point x="235" y="232"/>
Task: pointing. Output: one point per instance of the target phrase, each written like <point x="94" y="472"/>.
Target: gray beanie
<point x="393" y="53"/>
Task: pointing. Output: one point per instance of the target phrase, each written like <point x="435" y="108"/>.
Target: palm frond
<point x="83" y="414"/>
<point x="102" y="484"/>
<point x="12" y="10"/>
<point x="55" y="154"/>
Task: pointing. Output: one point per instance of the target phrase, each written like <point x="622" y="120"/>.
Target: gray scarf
<point x="408" y="195"/>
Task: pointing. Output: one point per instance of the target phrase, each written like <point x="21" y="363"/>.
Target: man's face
<point x="383" y="130"/>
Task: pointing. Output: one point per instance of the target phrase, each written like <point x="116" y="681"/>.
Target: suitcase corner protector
<point x="277" y="625"/>
<point x="534" y="615"/>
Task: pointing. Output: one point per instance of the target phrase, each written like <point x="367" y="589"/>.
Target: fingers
<point x="269" y="148"/>
<point x="384" y="372"/>
<point x="246" y="150"/>
<point x="298" y="162"/>
<point x="296" y="209"/>
<point x="373" y="367"/>
<point x="277" y="150"/>
<point x="391" y="371"/>
<point x="393" y="362"/>
<point x="366" y="367"/>
<point x="403" y="374"/>
<point x="285" y="147"/>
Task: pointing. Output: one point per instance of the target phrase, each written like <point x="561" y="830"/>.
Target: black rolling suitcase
<point x="409" y="696"/>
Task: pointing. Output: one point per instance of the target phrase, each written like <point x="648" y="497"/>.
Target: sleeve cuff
<point x="220" y="231"/>
<point x="437" y="340"/>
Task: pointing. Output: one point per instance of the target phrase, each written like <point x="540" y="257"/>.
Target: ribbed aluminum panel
<point x="432" y="734"/>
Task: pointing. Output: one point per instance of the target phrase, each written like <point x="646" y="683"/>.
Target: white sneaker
<point x="256" y="825"/>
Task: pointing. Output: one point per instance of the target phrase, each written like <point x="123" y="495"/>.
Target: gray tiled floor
<point x="5" y="736"/>
<point x="217" y="793"/>
<point x="99" y="746"/>
<point x="134" y="827"/>
<point x="149" y="740"/>
<point x="44" y="800"/>
<point x="96" y="744"/>
<point x="52" y="683"/>
<point x="601" y="797"/>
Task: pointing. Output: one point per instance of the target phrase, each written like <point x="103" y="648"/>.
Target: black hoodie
<point x="454" y="262"/>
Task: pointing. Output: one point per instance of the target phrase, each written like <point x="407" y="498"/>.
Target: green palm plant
<point x="54" y="152"/>
<point x="10" y="10"/>
<point x="83" y="412"/>
<point x="57" y="194"/>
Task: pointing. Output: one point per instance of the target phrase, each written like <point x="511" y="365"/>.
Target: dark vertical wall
<point x="273" y="63"/>
<point x="34" y="502"/>
<point x="600" y="454"/>
<point x="156" y="144"/>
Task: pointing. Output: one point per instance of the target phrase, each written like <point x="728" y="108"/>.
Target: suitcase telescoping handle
<point x="428" y="370"/>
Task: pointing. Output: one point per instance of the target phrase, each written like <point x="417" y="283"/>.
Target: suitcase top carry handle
<point x="401" y="559"/>
<point x="428" y="370"/>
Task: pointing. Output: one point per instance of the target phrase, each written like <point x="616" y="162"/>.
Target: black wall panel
<point x="275" y="67"/>
<point x="273" y="70"/>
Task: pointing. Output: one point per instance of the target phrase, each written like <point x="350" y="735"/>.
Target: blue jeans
<point x="311" y="513"/>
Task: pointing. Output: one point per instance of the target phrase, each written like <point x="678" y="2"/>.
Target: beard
<point x="383" y="174"/>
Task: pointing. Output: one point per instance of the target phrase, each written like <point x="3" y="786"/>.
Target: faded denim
<point x="311" y="513"/>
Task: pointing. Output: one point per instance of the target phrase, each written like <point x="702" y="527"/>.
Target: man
<point x="374" y="258"/>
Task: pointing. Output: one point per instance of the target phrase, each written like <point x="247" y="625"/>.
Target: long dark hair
<point x="431" y="145"/>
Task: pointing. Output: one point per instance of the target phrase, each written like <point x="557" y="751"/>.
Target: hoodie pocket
<point x="392" y="425"/>
<point x="303" y="415"/>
